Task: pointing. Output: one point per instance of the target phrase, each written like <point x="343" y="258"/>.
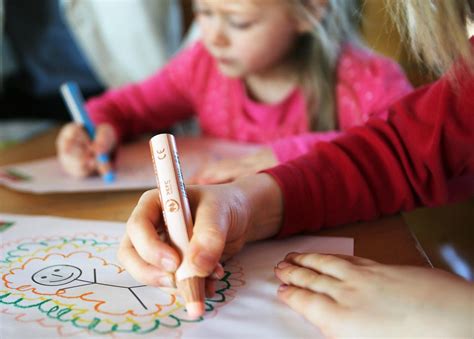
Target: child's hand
<point x="229" y="169"/>
<point x="225" y="218"/>
<point x="221" y="223"/>
<point x="77" y="153"/>
<point x="351" y="296"/>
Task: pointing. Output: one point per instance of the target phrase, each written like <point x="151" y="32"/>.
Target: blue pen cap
<point x="109" y="177"/>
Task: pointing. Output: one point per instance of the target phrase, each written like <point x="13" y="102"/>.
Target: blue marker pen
<point x="75" y="103"/>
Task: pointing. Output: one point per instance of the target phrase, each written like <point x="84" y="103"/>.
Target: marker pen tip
<point x="109" y="177"/>
<point x="195" y="309"/>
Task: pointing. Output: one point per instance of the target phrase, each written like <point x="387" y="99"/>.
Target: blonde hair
<point x="436" y="30"/>
<point x="317" y="53"/>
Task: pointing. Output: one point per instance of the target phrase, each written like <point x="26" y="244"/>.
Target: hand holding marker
<point x="75" y="104"/>
<point x="177" y="217"/>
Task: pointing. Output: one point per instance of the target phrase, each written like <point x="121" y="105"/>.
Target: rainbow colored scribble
<point x="81" y="305"/>
<point x="14" y="175"/>
<point x="4" y="225"/>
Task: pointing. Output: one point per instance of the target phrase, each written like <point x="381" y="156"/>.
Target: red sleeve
<point x="157" y="102"/>
<point x="385" y="166"/>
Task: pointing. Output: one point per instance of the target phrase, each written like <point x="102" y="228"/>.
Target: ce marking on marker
<point x="160" y="154"/>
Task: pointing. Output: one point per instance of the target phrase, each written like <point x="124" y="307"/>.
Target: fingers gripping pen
<point x="75" y="103"/>
<point x="177" y="216"/>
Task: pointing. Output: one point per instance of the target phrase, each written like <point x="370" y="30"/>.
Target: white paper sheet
<point x="133" y="166"/>
<point x="60" y="278"/>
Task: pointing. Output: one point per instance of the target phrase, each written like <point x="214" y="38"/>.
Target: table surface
<point x="387" y="240"/>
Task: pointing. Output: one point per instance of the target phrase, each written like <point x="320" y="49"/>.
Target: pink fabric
<point x="191" y="85"/>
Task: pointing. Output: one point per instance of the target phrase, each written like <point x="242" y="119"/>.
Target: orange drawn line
<point x="59" y="328"/>
<point x="24" y="288"/>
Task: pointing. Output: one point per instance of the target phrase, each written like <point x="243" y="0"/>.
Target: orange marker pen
<point x="177" y="216"/>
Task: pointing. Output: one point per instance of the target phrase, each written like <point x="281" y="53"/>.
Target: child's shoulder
<point x="197" y="48"/>
<point x="192" y="65"/>
<point x="356" y="59"/>
<point x="194" y="53"/>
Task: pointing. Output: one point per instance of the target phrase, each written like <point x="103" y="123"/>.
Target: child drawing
<point x="74" y="284"/>
<point x="284" y="74"/>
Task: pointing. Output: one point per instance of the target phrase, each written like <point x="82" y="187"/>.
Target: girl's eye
<point x="241" y="24"/>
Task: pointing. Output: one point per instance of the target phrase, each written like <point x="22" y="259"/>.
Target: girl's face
<point x="247" y="37"/>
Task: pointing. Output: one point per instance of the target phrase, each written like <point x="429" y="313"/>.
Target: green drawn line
<point x="4" y="225"/>
<point x="57" y="313"/>
<point x="16" y="175"/>
<point x="91" y="326"/>
<point x="11" y="254"/>
<point x="61" y="313"/>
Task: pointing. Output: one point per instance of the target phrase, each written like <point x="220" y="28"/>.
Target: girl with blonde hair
<point x="280" y="73"/>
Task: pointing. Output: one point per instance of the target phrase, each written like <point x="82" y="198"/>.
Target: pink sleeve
<point x="286" y="149"/>
<point x="155" y="103"/>
<point x="367" y="85"/>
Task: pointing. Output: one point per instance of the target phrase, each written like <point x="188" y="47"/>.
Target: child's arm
<point x="119" y="114"/>
<point x="289" y="148"/>
<point x="367" y="85"/>
<point x="156" y="103"/>
<point x="385" y="166"/>
<point x="152" y="105"/>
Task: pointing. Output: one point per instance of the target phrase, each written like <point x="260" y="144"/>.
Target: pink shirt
<point x="191" y="84"/>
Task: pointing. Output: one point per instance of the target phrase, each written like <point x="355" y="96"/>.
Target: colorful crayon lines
<point x="13" y="175"/>
<point x="4" y="225"/>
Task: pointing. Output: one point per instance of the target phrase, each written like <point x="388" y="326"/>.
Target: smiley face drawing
<point x="56" y="275"/>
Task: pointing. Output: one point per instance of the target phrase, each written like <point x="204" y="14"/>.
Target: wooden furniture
<point x="444" y="231"/>
<point x="387" y="240"/>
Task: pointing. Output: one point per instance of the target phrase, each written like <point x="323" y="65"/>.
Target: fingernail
<point x="282" y="288"/>
<point x="283" y="264"/>
<point x="165" y="281"/>
<point x="169" y="265"/>
<point x="218" y="272"/>
<point x="291" y="254"/>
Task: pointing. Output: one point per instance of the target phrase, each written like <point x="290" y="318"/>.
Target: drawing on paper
<point x="14" y="175"/>
<point x="74" y="285"/>
<point x="4" y="225"/>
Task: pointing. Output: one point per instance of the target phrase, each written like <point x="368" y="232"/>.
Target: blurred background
<point x="97" y="43"/>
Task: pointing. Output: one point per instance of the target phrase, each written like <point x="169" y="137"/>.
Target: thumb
<point x="105" y="139"/>
<point x="207" y="242"/>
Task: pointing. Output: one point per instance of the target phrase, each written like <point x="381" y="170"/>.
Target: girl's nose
<point x="218" y="36"/>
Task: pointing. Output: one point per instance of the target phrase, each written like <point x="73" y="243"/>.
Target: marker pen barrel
<point x="177" y="216"/>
